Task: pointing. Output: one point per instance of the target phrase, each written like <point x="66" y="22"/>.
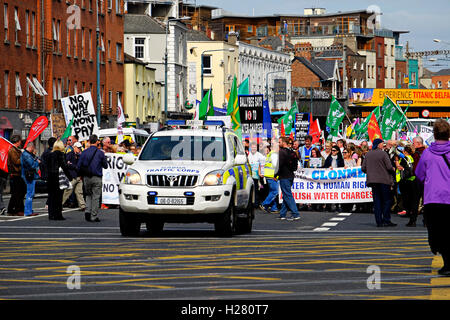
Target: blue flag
<point x="267" y="121"/>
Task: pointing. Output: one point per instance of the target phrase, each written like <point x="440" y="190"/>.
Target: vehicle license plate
<point x="170" y="201"/>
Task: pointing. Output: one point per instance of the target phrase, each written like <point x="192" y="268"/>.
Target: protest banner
<point x="58" y="124"/>
<point x="331" y="186"/>
<point x="112" y="176"/>
<point x="251" y="114"/>
<point x="80" y="107"/>
<point x="301" y="126"/>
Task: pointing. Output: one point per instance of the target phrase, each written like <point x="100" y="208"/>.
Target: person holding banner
<point x="3" y="178"/>
<point x="270" y="175"/>
<point x="288" y="164"/>
<point x="18" y="187"/>
<point x="379" y="170"/>
<point x="334" y="160"/>
<point x="433" y="171"/>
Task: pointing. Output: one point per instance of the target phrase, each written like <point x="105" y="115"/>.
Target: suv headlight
<point x="132" y="177"/>
<point x="214" y="178"/>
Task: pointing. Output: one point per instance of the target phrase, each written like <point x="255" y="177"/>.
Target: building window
<point x="119" y="52"/>
<point x="110" y="5"/>
<point x="18" y="90"/>
<point x="392" y="51"/>
<point x="33" y="28"/>
<point x="90" y="44"/>
<point x="392" y="73"/>
<point x="206" y="61"/>
<point x="355" y="66"/>
<point x="413" y="78"/>
<point x="6" y="87"/>
<point x="439" y="84"/>
<point x="109" y="50"/>
<point x="5" y="19"/>
<point x="448" y="84"/>
<point x="110" y="102"/>
<point x="250" y="29"/>
<point x="82" y="43"/>
<point x="139" y="48"/>
<point x="362" y="83"/>
<point x="379" y="73"/>
<point x="118" y="6"/>
<point x="27" y="26"/>
<point x="75" y="43"/>
<point x="68" y="42"/>
<point x="16" y="17"/>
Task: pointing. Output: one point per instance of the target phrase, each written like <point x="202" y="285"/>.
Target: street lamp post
<point x="165" y="63"/>
<point x="201" y="70"/>
<point x="98" y="66"/>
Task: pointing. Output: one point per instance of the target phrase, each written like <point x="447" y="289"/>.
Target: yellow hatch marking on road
<point x="150" y="286"/>
<point x="32" y="281"/>
<point x="251" y="278"/>
<point x="439" y="293"/>
<point x="111" y="264"/>
<point x="251" y="290"/>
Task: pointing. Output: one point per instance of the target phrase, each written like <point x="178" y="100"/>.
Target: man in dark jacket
<point x="95" y="160"/>
<point x="72" y="159"/>
<point x="286" y="178"/>
<point x="18" y="187"/>
<point x="379" y="169"/>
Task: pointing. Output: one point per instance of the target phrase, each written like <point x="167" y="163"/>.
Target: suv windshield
<point x="187" y="148"/>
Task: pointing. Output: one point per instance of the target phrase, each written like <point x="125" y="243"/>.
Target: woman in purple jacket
<point x="433" y="171"/>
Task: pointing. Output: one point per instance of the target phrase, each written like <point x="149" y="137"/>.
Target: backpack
<point x="293" y="160"/>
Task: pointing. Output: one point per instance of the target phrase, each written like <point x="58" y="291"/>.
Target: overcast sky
<point x="426" y="20"/>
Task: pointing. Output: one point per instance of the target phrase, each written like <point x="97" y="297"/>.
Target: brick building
<point x="441" y="79"/>
<point x="42" y="63"/>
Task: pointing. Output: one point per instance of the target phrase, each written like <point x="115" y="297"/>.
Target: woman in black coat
<point x="55" y="160"/>
<point x="334" y="160"/>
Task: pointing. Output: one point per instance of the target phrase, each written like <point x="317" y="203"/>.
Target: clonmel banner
<point x="403" y="97"/>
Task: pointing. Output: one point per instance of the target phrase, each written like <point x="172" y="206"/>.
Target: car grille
<point x="171" y="181"/>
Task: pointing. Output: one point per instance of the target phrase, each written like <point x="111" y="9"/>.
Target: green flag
<point x="206" y="106"/>
<point x="233" y="108"/>
<point x="68" y="131"/>
<point x="335" y="115"/>
<point x="244" y="88"/>
<point x="392" y="118"/>
<point x="289" y="119"/>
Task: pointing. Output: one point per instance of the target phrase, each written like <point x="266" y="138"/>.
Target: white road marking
<point x="345" y="214"/>
<point x="321" y="229"/>
<point x="330" y="224"/>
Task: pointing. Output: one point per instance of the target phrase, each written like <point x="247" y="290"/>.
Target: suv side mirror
<point x="128" y="159"/>
<point x="240" y="159"/>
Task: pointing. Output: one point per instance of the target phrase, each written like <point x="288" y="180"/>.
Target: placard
<point x="58" y="124"/>
<point x="279" y="89"/>
<point x="112" y="176"/>
<point x="251" y="112"/>
<point x="301" y="127"/>
<point x="80" y="107"/>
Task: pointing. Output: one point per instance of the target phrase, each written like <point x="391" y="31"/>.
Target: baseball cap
<point x="77" y="144"/>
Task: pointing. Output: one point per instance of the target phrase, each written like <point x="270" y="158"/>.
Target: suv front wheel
<point x="225" y="224"/>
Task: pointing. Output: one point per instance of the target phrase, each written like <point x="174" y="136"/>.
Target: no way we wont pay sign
<point x="80" y="107"/>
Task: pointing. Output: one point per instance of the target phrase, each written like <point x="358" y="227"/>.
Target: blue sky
<point x="426" y="20"/>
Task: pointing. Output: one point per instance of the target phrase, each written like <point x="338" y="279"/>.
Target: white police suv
<point x="188" y="172"/>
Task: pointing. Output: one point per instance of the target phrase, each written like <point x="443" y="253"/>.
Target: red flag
<point x="5" y="145"/>
<point x="38" y="126"/>
<point x="314" y="131"/>
<point x="373" y="128"/>
<point x="283" y="134"/>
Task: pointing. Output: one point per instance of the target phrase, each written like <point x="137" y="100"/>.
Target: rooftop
<point x="142" y="23"/>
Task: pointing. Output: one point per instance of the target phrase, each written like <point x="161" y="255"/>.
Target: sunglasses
<point x="335" y="150"/>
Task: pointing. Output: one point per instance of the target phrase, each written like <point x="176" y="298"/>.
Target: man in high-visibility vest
<point x="270" y="175"/>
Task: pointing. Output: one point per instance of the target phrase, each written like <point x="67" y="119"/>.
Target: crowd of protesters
<point x="62" y="168"/>
<point x="390" y="166"/>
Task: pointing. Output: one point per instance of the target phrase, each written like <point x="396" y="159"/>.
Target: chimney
<point x="304" y="50"/>
<point x="232" y="38"/>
